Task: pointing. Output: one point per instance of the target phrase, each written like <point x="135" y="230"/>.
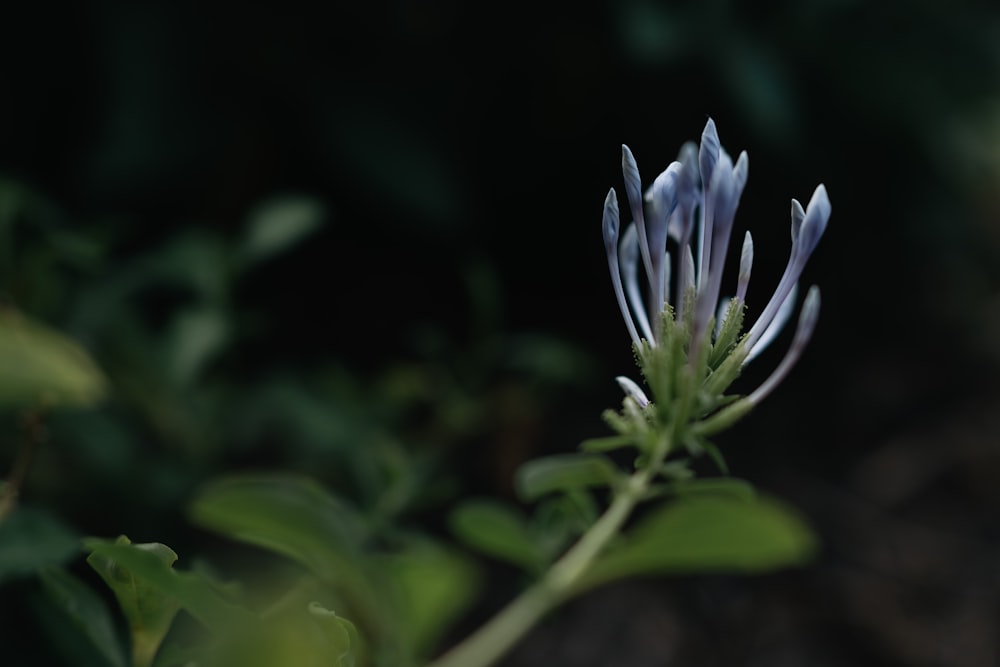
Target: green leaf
<point x="597" y="445"/>
<point x="709" y="533"/>
<point x="41" y="365"/>
<point x="173" y="655"/>
<point x="296" y="517"/>
<point x="297" y="634"/>
<point x="280" y="223"/>
<point x="291" y="515"/>
<point x="341" y="635"/>
<point x="139" y="576"/>
<point x="732" y="487"/>
<point x="434" y="586"/>
<point x="86" y="611"/>
<point x="196" y="336"/>
<point x="497" y="530"/>
<point x="678" y="470"/>
<point x="150" y="592"/>
<point x="31" y="539"/>
<point x="716" y="455"/>
<point x="564" y="472"/>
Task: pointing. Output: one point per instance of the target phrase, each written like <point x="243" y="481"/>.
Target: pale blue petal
<point x="774" y="329"/>
<point x="803" y="332"/>
<point x="632" y="390"/>
<point x="628" y="253"/>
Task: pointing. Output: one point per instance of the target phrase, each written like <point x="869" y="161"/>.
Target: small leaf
<point x="148" y="608"/>
<point x="340" y="633"/>
<point x="150" y="592"/>
<point x="564" y="472"/>
<point x="41" y="365"/>
<point x="725" y="486"/>
<point x="278" y="224"/>
<point x="291" y="515"/>
<point x="297" y="518"/>
<point x="31" y="539"/>
<point x="85" y="610"/>
<point x="497" y="530"/>
<point x="708" y="533"/>
<point x="597" y="445"/>
<point x="195" y="337"/>
<point x="434" y="586"/>
<point x="678" y="470"/>
<point x="716" y="455"/>
<point x="173" y="655"/>
<point x="294" y="634"/>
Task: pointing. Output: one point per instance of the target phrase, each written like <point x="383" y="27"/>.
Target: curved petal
<point x="774" y="329"/>
<point x="803" y="332"/>
<point x="632" y="390"/>
<point x="610" y="227"/>
<point x="628" y="254"/>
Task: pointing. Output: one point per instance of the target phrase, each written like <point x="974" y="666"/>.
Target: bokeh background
<point x="362" y="241"/>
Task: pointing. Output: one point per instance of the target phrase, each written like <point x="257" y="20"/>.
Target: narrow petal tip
<point x="708" y="152"/>
<point x="710" y="130"/>
<point x="633" y="184"/>
<point x="814" y="222"/>
<point x="798" y="214"/>
<point x="632" y="390"/>
<point x="741" y="171"/>
<point x="628" y="162"/>
<point x="610" y="222"/>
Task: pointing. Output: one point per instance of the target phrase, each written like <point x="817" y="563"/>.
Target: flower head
<point x="688" y="338"/>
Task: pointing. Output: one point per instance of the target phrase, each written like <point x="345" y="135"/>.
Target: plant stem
<point x="490" y="642"/>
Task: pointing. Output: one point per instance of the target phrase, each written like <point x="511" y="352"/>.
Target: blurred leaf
<point x="86" y="611"/>
<point x="702" y="533"/>
<point x="172" y="655"/>
<point x="295" y="517"/>
<point x="607" y="444"/>
<point x="196" y="335"/>
<point x="678" y="470"/>
<point x="559" y="520"/>
<point x="42" y="365"/>
<point x="496" y="529"/>
<point x="291" y="515"/>
<point x="732" y="487"/>
<point x="31" y="539"/>
<point x="278" y="224"/>
<point x="197" y="258"/>
<point x="140" y="577"/>
<point x="435" y="585"/>
<point x="294" y="634"/>
<point x="150" y="592"/>
<point x="339" y="632"/>
<point x="548" y="358"/>
<point x="564" y="472"/>
<point x="716" y="455"/>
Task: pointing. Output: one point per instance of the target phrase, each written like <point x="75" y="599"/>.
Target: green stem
<point x="490" y="642"/>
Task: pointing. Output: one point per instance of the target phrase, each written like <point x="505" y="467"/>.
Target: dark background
<point x="456" y="292"/>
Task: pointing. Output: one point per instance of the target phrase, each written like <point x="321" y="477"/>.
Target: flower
<point x="680" y="233"/>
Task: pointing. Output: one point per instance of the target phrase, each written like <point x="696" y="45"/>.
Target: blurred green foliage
<point x="179" y="408"/>
<point x="401" y="337"/>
